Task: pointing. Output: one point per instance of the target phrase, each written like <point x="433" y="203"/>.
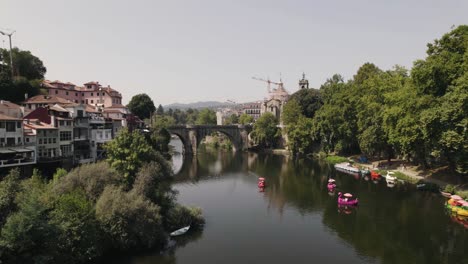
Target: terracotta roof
<point x="96" y="83"/>
<point x="58" y="108"/>
<point x="117" y="105"/>
<point x="6" y="117"/>
<point x="46" y="99"/>
<point x="91" y="109"/>
<point x="112" y="111"/>
<point x="36" y="124"/>
<point x="8" y="105"/>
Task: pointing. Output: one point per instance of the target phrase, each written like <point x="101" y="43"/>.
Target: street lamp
<point x="11" y="56"/>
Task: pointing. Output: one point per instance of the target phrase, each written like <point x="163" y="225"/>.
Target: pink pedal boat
<point x="347" y="199"/>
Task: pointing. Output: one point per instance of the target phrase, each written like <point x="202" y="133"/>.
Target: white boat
<point x="390" y="177"/>
<point x="346" y="167"/>
<point x="181" y="231"/>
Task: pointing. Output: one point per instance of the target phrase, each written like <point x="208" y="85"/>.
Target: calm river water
<point x="296" y="220"/>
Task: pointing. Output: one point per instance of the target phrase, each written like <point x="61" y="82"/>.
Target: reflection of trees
<point x="400" y="230"/>
<point x="293" y="182"/>
<point x="396" y="225"/>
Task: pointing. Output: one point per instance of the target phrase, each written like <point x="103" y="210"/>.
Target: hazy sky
<point x="188" y="51"/>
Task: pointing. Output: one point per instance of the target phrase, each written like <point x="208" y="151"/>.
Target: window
<point x="2" y="124"/>
<point x="76" y="101"/>
<point x="19" y="140"/>
<point x="76" y="94"/>
<point x="27" y="140"/>
<point x="54" y="140"/>
<point x="50" y="140"/>
<point x="56" y="91"/>
<point x="86" y="101"/>
<point x="91" y="94"/>
<point x="80" y="113"/>
<point x="92" y="101"/>
<point x="88" y="86"/>
<point x="82" y="94"/>
<point x="40" y="141"/>
<point x="10" y="126"/>
<point x="66" y="93"/>
<point x="82" y="101"/>
<point x="66" y="150"/>
<point x="18" y="124"/>
<point x="62" y="123"/>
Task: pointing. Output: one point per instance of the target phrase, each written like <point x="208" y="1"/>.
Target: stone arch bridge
<point x="192" y="135"/>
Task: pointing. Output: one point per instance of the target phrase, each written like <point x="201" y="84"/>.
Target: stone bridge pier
<point x="192" y="135"/>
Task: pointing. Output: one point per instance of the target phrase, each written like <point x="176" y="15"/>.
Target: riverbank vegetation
<point x="420" y="115"/>
<point x="125" y="203"/>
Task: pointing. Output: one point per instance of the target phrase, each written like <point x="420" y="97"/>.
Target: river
<point x="296" y="220"/>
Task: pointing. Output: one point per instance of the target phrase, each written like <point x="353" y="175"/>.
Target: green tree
<point x="300" y="136"/>
<point x="27" y="233"/>
<point x="309" y="101"/>
<point x="265" y="131"/>
<point x="25" y="64"/>
<point x="141" y="105"/>
<point x="129" y="220"/>
<point x="245" y="119"/>
<point x="160" y="110"/>
<point x="232" y="119"/>
<point x="9" y="188"/>
<point x="206" y="117"/>
<point x="445" y="63"/>
<point x="291" y="113"/>
<point x="85" y="178"/>
<point x="127" y="152"/>
<point x="78" y="232"/>
<point x="163" y="121"/>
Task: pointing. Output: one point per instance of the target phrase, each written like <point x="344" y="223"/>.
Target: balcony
<point x="16" y="162"/>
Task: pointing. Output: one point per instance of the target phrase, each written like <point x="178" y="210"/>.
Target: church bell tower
<point x="303" y="83"/>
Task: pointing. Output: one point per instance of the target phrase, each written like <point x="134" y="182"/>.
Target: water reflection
<point x="296" y="219"/>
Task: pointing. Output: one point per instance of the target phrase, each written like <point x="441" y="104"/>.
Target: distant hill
<point x="198" y="105"/>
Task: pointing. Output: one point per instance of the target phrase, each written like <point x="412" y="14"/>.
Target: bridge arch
<point x="191" y="136"/>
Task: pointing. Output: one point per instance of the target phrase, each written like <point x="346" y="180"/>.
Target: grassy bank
<point x="336" y="159"/>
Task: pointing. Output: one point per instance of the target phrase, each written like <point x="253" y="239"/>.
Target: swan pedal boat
<point x="347" y="201"/>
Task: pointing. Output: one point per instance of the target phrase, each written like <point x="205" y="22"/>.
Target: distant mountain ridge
<point x="198" y="105"/>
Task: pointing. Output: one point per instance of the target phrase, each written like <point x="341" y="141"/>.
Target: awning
<point x="6" y="151"/>
<point x="23" y="150"/>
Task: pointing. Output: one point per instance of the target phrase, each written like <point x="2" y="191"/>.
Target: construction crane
<point x="268" y="82"/>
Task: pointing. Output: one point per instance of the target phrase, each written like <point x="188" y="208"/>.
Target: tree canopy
<point x="142" y="106"/>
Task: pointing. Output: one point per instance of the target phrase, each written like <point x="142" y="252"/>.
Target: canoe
<point x="181" y="231"/>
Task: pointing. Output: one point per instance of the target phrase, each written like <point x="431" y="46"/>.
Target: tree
<point x="78" y="232"/>
<point x="91" y="178"/>
<point x="265" y="131"/>
<point x="232" y="119"/>
<point x="245" y="119"/>
<point x="27" y="233"/>
<point x="206" y="117"/>
<point x="127" y="152"/>
<point x="445" y="63"/>
<point x="25" y="64"/>
<point x="142" y="106"/>
<point x="9" y="188"/>
<point x="291" y="113"/>
<point x="160" y="110"/>
<point x="309" y="101"/>
<point x="129" y="220"/>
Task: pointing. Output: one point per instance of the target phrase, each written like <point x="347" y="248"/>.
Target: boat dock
<point x="346" y="167"/>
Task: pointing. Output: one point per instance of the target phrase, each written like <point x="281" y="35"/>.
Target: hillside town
<point x="71" y="123"/>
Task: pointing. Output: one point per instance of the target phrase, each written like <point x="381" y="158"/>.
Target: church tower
<point x="303" y="83"/>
